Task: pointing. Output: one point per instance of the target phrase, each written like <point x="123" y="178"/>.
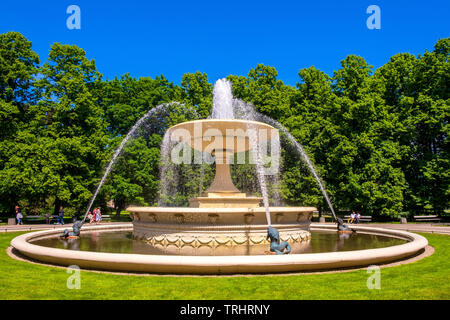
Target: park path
<point x="411" y="227"/>
<point x="32" y="227"/>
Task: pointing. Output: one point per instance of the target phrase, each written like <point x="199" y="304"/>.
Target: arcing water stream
<point x="121" y="146"/>
<point x="224" y="107"/>
<point x="247" y="111"/>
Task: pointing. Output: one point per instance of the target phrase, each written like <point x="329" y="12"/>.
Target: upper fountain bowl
<point x="225" y="134"/>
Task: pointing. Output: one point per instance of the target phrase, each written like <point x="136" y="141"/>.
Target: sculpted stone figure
<point x="343" y="227"/>
<point x="275" y="245"/>
<point x="76" y="230"/>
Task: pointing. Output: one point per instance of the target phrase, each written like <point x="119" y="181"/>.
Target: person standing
<point x="19" y="215"/>
<point x="98" y="216"/>
<point x="90" y="217"/>
<point x="47" y="217"/>
<point x="61" y="215"/>
<point x="94" y="215"/>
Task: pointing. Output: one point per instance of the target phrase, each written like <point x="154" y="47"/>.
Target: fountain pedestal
<point x="225" y="200"/>
<point x="222" y="193"/>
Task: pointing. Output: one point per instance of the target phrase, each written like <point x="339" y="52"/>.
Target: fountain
<point x="224" y="230"/>
<point x="223" y="219"/>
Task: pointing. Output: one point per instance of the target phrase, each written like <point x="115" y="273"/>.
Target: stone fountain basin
<point x="218" y="264"/>
<point x="229" y="133"/>
<point x="221" y="216"/>
<point x="212" y="231"/>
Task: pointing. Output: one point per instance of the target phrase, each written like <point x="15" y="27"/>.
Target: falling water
<point x="227" y="107"/>
<point x="247" y="111"/>
<point x="254" y="144"/>
<point x="223" y="109"/>
<point x="202" y="177"/>
<point x="274" y="181"/>
<point x="169" y="172"/>
<point x="165" y="167"/>
<point x="122" y="144"/>
<point x="304" y="155"/>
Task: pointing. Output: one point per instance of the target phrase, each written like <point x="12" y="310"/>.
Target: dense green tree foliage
<point x="18" y="69"/>
<point x="378" y="138"/>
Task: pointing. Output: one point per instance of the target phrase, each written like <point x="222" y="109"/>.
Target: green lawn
<point x="425" y="279"/>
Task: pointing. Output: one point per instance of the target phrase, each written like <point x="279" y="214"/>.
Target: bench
<point x="34" y="218"/>
<point x="361" y="219"/>
<point x="53" y="219"/>
<point x="427" y="218"/>
<point x="105" y="217"/>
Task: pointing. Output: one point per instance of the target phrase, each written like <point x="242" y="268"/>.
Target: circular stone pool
<point x="111" y="247"/>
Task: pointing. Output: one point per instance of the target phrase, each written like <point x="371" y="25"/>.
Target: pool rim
<point x="259" y="264"/>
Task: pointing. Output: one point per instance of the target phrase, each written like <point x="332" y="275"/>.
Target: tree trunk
<point x="119" y="207"/>
<point x="12" y="208"/>
<point x="118" y="210"/>
<point x="56" y="207"/>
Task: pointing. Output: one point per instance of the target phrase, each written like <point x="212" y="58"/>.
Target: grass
<point x="124" y="217"/>
<point x="424" y="279"/>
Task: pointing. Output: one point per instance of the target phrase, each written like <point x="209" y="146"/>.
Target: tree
<point x="135" y="175"/>
<point x="311" y="124"/>
<point x="69" y="116"/>
<point x="197" y="92"/>
<point x="353" y="78"/>
<point x="18" y="68"/>
<point x="269" y="95"/>
<point x="379" y="140"/>
<point x="364" y="161"/>
<point x="127" y="99"/>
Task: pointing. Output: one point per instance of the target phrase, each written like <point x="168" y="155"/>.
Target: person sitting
<point x="352" y="217"/>
<point x="358" y="217"/>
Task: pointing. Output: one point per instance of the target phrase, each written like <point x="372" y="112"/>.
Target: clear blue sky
<point x="149" y="38"/>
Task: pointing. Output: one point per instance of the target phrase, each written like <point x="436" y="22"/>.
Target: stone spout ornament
<point x="248" y="218"/>
<point x="179" y="218"/>
<point x="75" y="230"/>
<point x="275" y="246"/>
<point x="278" y="217"/>
<point x="343" y="227"/>
<point x="152" y="217"/>
<point x="213" y="218"/>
